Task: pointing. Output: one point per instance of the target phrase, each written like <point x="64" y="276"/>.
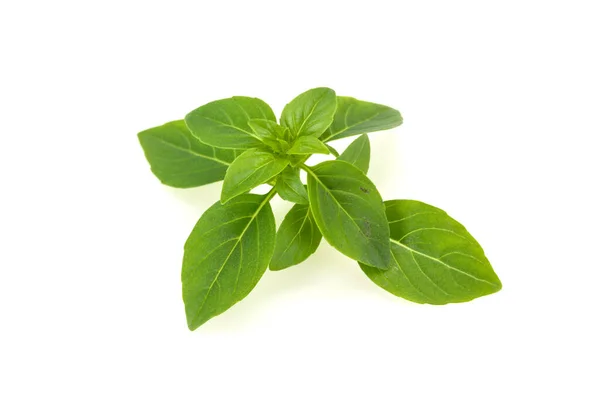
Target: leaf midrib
<point x="348" y="127"/>
<point x="190" y="151"/>
<point x="442" y="263"/>
<point x="261" y="169"/>
<point x="251" y="134"/>
<point x="268" y="197"/>
<point x="304" y="219"/>
<point x="308" y="170"/>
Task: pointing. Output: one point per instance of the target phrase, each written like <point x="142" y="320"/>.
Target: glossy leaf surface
<point x="252" y="168"/>
<point x="349" y="212"/>
<point x="308" y="145"/>
<point x="310" y="113"/>
<point x="224" y="123"/>
<point x="354" y="117"/>
<point x="271" y="134"/>
<point x="297" y="238"/>
<point x="290" y="187"/>
<point x="226" y="254"/>
<point x="358" y="153"/>
<point x="435" y="259"/>
<point x="180" y="160"/>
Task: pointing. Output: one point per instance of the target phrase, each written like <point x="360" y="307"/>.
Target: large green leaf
<point x="224" y="123"/>
<point x="226" y="254"/>
<point x="252" y="168"/>
<point x="180" y="160"/>
<point x="297" y="238"/>
<point x="358" y="153"/>
<point x="435" y="259"/>
<point x="354" y="117"/>
<point x="349" y="212"/>
<point x="310" y="113"/>
<point x="290" y="187"/>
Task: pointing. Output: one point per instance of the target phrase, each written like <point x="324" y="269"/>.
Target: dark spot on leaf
<point x="367" y="228"/>
<point x="365" y="190"/>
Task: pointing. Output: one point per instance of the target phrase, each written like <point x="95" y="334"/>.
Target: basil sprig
<point x="409" y="248"/>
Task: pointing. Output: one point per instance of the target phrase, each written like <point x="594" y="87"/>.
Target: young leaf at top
<point x="349" y="212"/>
<point x="290" y="187"/>
<point x="310" y="113"/>
<point x="434" y="259"/>
<point x="252" y="168"/>
<point x="264" y="128"/>
<point x="271" y="134"/>
<point x="297" y="238"/>
<point x="308" y="145"/>
<point x="180" y="160"/>
<point x="354" y="117"/>
<point x="358" y="153"/>
<point x="226" y="254"/>
<point x="224" y="123"/>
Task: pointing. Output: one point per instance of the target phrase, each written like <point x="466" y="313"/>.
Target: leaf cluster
<point x="409" y="248"/>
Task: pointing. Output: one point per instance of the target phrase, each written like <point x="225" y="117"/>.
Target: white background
<point x="501" y="105"/>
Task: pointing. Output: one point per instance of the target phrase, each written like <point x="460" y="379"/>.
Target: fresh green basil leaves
<point x="410" y="249"/>
<point x="349" y="212"/>
<point x="180" y="160"/>
<point x="435" y="259"/>
<point x="226" y="254"/>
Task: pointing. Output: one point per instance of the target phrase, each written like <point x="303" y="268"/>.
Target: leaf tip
<point x="498" y="285"/>
<point x="273" y="267"/>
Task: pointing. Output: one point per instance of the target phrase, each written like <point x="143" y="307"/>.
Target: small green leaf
<point x="224" y="123"/>
<point x="271" y="134"/>
<point x="310" y="113"/>
<point x="290" y="187"/>
<point x="180" y="160"/>
<point x="332" y="150"/>
<point x="226" y="254"/>
<point x="284" y="146"/>
<point x="354" y="117"/>
<point x="297" y="238"/>
<point x="263" y="128"/>
<point x="252" y="168"/>
<point x="358" y="153"/>
<point x="349" y="212"/>
<point x="308" y="145"/>
<point x="434" y="259"/>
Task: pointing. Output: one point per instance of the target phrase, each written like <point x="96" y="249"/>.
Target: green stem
<point x="270" y="194"/>
<point x="306" y="168"/>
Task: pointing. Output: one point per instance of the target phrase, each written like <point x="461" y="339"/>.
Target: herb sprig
<point x="409" y="248"/>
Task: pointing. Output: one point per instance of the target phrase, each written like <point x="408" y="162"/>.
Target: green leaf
<point x="434" y="259"/>
<point x="224" y="123"/>
<point x="358" y="153"/>
<point x="349" y="212"/>
<point x="265" y="132"/>
<point x="354" y="117"/>
<point x="310" y="113"/>
<point x="252" y="168"/>
<point x="290" y="187"/>
<point x="264" y="128"/>
<point x="332" y="150"/>
<point x="226" y="254"/>
<point x="297" y="238"/>
<point x="180" y="160"/>
<point x="308" y="145"/>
